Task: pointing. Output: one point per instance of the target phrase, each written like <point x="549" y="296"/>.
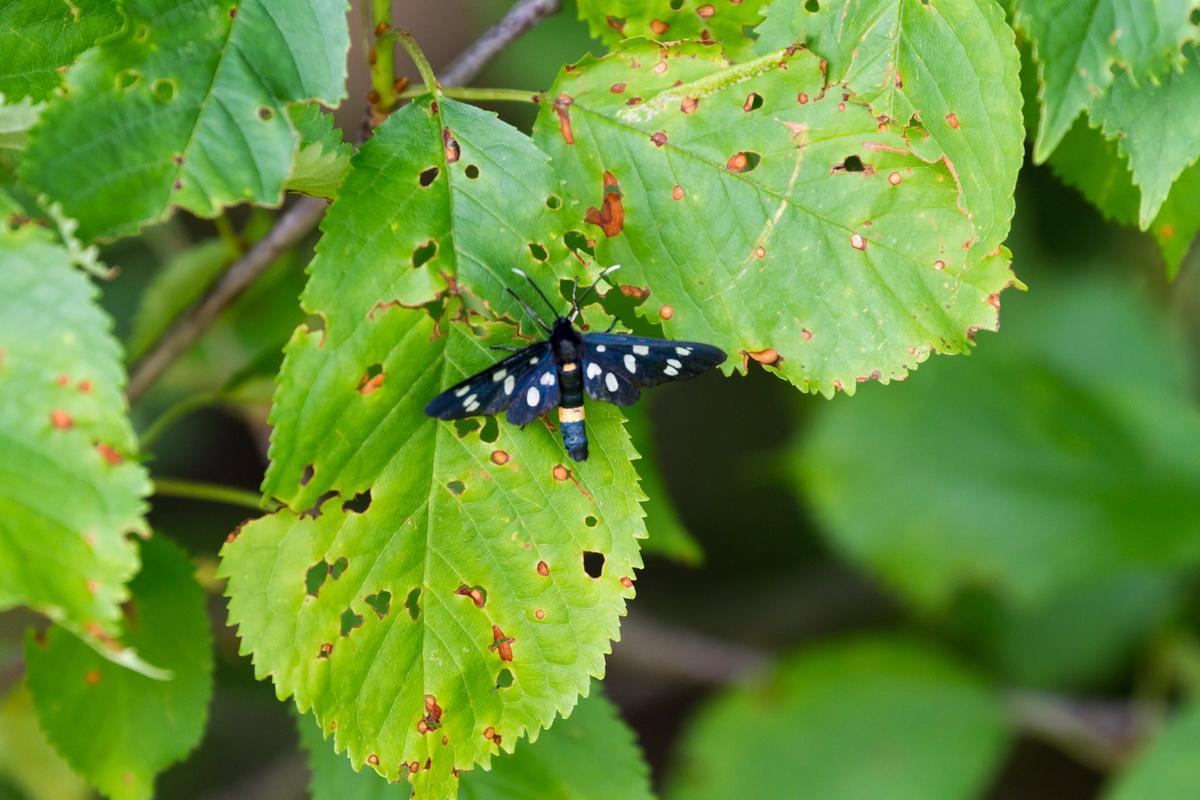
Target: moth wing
<point x="637" y="361"/>
<point x="537" y="392"/>
<point x="492" y="390"/>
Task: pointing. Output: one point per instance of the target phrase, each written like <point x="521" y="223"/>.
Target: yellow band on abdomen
<point x="570" y="414"/>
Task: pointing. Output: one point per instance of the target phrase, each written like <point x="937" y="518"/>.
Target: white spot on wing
<point x="630" y="363"/>
<point x="610" y="380"/>
<point x="600" y="348"/>
<point x="547" y="379"/>
<point x="462" y="391"/>
<point x="533" y="396"/>
<point x="641" y="349"/>
<point x="499" y="374"/>
<point x="671" y="371"/>
<point x="510" y="383"/>
<point x="474" y="405"/>
<point x="674" y="362"/>
<point x="593" y="370"/>
<point x="533" y="360"/>
<point x="683" y="351"/>
<point x="470" y="399"/>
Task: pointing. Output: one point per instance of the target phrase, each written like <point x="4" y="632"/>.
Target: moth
<point x="612" y="367"/>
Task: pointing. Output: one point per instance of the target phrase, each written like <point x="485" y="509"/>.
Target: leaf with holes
<point x="40" y="38"/>
<point x="844" y="718"/>
<point x="591" y="755"/>
<point x="1076" y="45"/>
<point x="63" y="433"/>
<point x="199" y="126"/>
<point x="115" y="727"/>
<point x="323" y="159"/>
<point x="612" y="21"/>
<point x="998" y="474"/>
<point x="950" y="69"/>
<point x="769" y="217"/>
<point x="1157" y="128"/>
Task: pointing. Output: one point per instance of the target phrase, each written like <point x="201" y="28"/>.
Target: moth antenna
<point x="525" y="307"/>
<point x="549" y="305"/>
<point x="604" y="273"/>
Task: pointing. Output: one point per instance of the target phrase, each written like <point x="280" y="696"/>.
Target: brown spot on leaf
<point x="611" y="216"/>
<point x="616" y="23"/>
<point x="560" y="472"/>
<point x="60" y="419"/>
<point x="500" y="457"/>
<point x="627" y="582"/>
<point x="659" y="138"/>
<point x="543" y="569"/>
<point x="659" y="68"/>
<point x="952" y="119"/>
<point x="562" y="105"/>
<point x="768" y="356"/>
<point x="895" y="178"/>
<point x="91" y="677"/>
<point x="372" y="379"/>
<point x="110" y="456"/>
<point x="802" y="98"/>
<point x="617" y="88"/>
<point x="939" y="265"/>
<point x="490" y="734"/>
<point x="677" y="192"/>
<point x="539" y="613"/>
<point x="659" y="27"/>
<point x="501" y="644"/>
<point x="373" y="760"/>
<point x="753" y="101"/>
<point x="666" y="312"/>
<point x="84" y="386"/>
<point x="450" y="145"/>
<point x="63" y="380"/>
<point x="326" y="650"/>
<point x="744" y="161"/>
<point x="476" y="593"/>
<point x="1167" y="231"/>
<point x="858" y="242"/>
<point x="688" y="105"/>
<point x="760" y="252"/>
<point x="635" y="292"/>
<point x="705" y="11"/>
<point x="806" y="334"/>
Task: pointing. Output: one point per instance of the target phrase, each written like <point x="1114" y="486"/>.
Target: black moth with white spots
<point x="612" y="367"/>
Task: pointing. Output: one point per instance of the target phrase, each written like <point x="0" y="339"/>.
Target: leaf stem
<point x="228" y="234"/>
<point x="382" y="60"/>
<point x="409" y="43"/>
<point x="212" y="492"/>
<point x="474" y="93"/>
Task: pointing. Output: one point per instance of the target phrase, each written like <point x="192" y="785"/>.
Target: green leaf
<point x="40" y="38"/>
<point x="953" y="65"/>
<point x="872" y="717"/>
<point x="115" y="727"/>
<point x="612" y="21"/>
<point x="1095" y="166"/>
<point x="1060" y="455"/>
<point x="802" y="232"/>
<point x="668" y="536"/>
<point x="344" y="607"/>
<point x="1157" y="129"/>
<point x="27" y="761"/>
<point x="63" y="434"/>
<point x="15" y="121"/>
<point x="323" y="160"/>
<point x="591" y="754"/>
<point x="174" y="111"/>
<point x="1168" y="766"/>
<point x="179" y="284"/>
<point x="1077" y="44"/>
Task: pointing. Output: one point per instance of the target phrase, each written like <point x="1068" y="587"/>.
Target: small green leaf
<point x="199" y="126"/>
<point x="770" y="216"/>
<point x="323" y="160"/>
<point x="952" y="65"/>
<point x="16" y="118"/>
<point x="27" y="761"/>
<point x="612" y="21"/>
<point x="866" y="718"/>
<point x="174" y="288"/>
<point x="1077" y="44"/>
<point x="1157" y="128"/>
<point x="40" y="38"/>
<point x="1061" y="455"/>
<point x="115" y="727"/>
<point x="1167" y="767"/>
<point x="63" y="434"/>
<point x="590" y="755"/>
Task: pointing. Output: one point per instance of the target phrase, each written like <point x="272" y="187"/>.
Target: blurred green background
<point x="1005" y="545"/>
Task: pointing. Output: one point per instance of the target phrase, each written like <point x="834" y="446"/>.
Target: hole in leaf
<point x="478" y="594"/>
<point x="464" y="426"/>
<point x="413" y="603"/>
<point x="539" y="253"/>
<point x="554" y="202"/>
<point x="423" y="253"/>
<point x="315" y="510"/>
<point x="163" y="89"/>
<point x="590" y="521"/>
<point x="471" y="171"/>
<point x="456" y="487"/>
<point x="128" y="78"/>
<point x="575" y="240"/>
<point x="1195" y="18"/>
<point x="142" y="33"/>
<point x="372" y="379"/>
<point x="490" y="431"/>
<point x="338" y="568"/>
<point x="428" y="176"/>
<point x="744" y="161"/>
<point x="265" y="114"/>
<point x="326" y="650"/>
<point x="315" y="578"/>
<point x="350" y="621"/>
<point x="359" y="503"/>
<point x="593" y="563"/>
<point x="812" y="6"/>
<point x="380" y="603"/>
<point x="504" y="679"/>
<point x="753" y="102"/>
<point x="853" y="164"/>
<point x="676" y="5"/>
<point x="307" y="474"/>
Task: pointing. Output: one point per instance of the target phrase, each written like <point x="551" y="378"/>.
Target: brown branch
<point x="520" y="18"/>
<point x="300" y="220"/>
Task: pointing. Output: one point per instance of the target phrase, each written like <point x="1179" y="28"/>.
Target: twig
<point x="678" y="654"/>
<point x="296" y="223"/>
<point x="210" y="492"/>
<point x="520" y="18"/>
<point x="303" y="217"/>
